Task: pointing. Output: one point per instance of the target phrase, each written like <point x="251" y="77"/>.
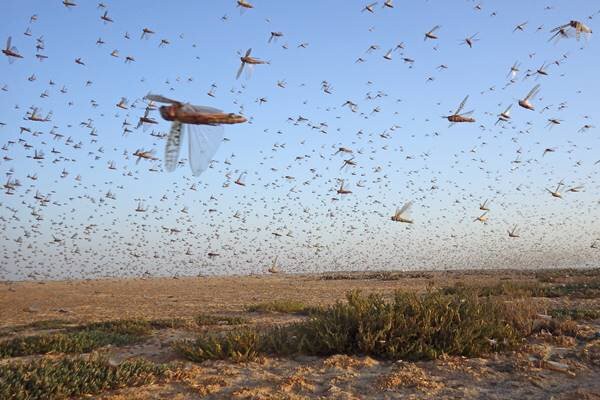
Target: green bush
<point x="67" y="377"/>
<point x="412" y="326"/>
<point x="239" y="345"/>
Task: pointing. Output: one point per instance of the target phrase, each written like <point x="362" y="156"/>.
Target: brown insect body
<point x="252" y="60"/>
<point x="526" y="104"/>
<point x="175" y="112"/>
<point x="460" y="118"/>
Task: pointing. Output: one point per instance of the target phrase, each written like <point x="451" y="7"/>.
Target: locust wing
<point x="533" y="92"/>
<point x="160" y="99"/>
<point x="173" y="146"/>
<point x="462" y="104"/>
<point x="204" y="142"/>
<point x="239" y="72"/>
<point x="405" y="208"/>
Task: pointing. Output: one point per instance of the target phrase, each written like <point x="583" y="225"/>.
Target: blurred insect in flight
<point x="11" y="52"/>
<point x="401" y="214"/>
<point x="204" y="129"/>
<point x="246" y="59"/>
<point x="458" y="117"/>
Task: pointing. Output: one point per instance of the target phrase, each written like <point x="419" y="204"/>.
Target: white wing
<point x="173" y="146"/>
<point x="405" y="208"/>
<point x="204" y="142"/>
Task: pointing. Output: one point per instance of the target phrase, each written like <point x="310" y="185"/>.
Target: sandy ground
<point x="545" y="368"/>
<point x="25" y="302"/>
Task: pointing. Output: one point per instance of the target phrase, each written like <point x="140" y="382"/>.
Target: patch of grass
<point x="239" y="345"/>
<point x="579" y="290"/>
<point x="73" y="342"/>
<point x="168" y="323"/>
<point x="211" y="319"/>
<point x="411" y="326"/>
<point x="81" y="339"/>
<point x="550" y="276"/>
<point x="283" y="306"/>
<point x="44" y="324"/>
<point x="575" y="313"/>
<point x="67" y="377"/>
<point x="513" y="289"/>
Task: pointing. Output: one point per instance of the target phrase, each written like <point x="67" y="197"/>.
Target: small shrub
<point x="412" y="326"/>
<point x="67" y="377"/>
<point x="239" y="345"/>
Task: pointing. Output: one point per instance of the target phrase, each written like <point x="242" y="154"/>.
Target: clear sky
<point x="289" y="206"/>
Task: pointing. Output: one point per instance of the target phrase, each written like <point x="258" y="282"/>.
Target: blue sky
<point x="466" y="163"/>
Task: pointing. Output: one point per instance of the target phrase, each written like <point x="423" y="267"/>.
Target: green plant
<point x="66" y="377"/>
<point x="238" y="345"/>
<point x="411" y="326"/>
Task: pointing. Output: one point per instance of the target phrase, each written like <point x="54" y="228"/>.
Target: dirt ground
<point x="546" y="368"/>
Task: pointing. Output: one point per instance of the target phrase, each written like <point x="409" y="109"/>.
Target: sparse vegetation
<point x="43" y="324"/>
<point x="65" y="377"/>
<point x="576" y="313"/>
<point x="82" y="341"/>
<point x="586" y="290"/>
<point x="211" y="319"/>
<point x="85" y="338"/>
<point x="579" y="290"/>
<point x="283" y="306"/>
<point x="411" y="326"/>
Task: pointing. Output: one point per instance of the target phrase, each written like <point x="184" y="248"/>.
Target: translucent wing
<point x="202" y="109"/>
<point x="173" y="146"/>
<point x="249" y="71"/>
<point x="558" y="28"/>
<point x="467" y="113"/>
<point x="237" y="76"/>
<point x="533" y="92"/>
<point x="435" y="28"/>
<point x="405" y="208"/>
<point x="8" y="42"/>
<point x="204" y="142"/>
<point x="462" y="104"/>
<point x="160" y="99"/>
<point x="248" y="52"/>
